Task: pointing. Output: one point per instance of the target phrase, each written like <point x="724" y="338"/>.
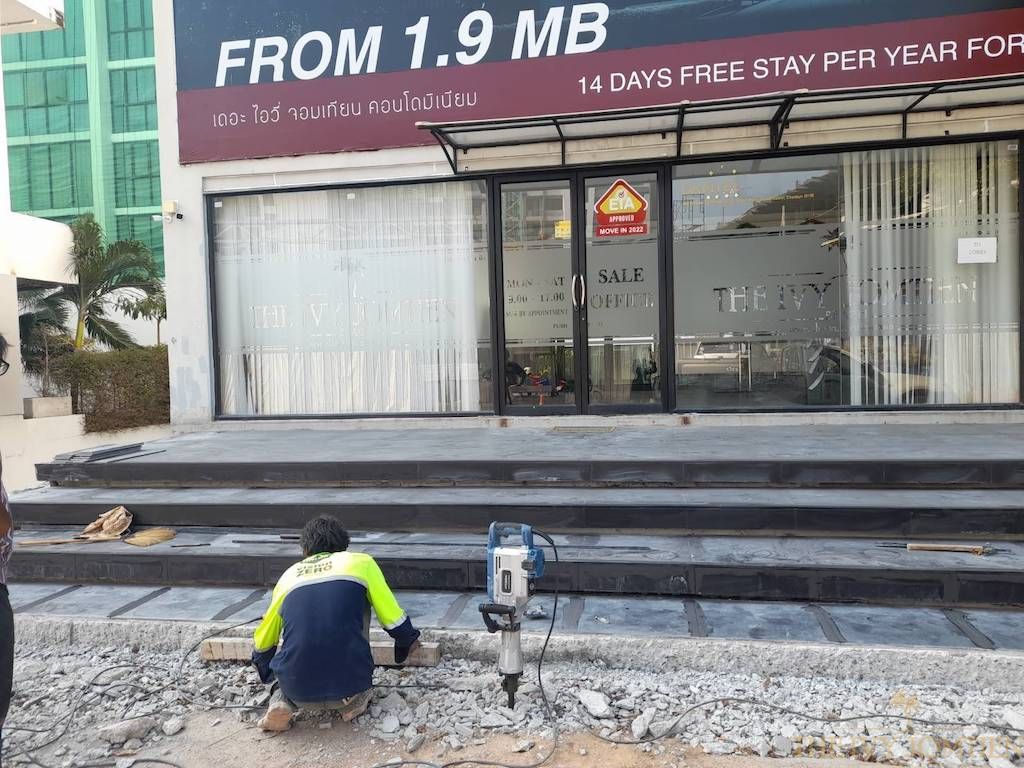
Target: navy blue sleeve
<point x="261" y="660"/>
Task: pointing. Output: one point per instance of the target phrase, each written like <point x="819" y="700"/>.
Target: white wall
<point x="10" y="384"/>
<point x="27" y="442"/>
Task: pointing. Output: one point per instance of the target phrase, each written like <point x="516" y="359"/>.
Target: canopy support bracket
<point x="561" y="138"/>
<point x="777" y="126"/>
<point x="450" y="157"/>
<point x="679" y="130"/>
<point x="905" y="117"/>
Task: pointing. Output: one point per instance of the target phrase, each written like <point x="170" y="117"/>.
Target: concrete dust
<point x="230" y="744"/>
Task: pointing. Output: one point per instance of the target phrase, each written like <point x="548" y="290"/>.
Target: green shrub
<point x="120" y="389"/>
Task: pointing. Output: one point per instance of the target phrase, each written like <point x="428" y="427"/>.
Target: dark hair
<point x="4" y="346"/>
<point x="323" y="534"/>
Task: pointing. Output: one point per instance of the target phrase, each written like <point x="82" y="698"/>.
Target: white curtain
<point x="369" y="300"/>
<point x="921" y="327"/>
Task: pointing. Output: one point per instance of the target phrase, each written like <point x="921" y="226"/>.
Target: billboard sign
<point x="260" y="78"/>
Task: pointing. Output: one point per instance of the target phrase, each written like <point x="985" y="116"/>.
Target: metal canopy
<point x="775" y="111"/>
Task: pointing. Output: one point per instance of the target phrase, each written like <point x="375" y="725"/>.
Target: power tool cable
<point x="68" y="718"/>
<point x="549" y="710"/>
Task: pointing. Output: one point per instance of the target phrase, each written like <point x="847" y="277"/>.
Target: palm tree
<point x="106" y="274"/>
<point x="151" y="307"/>
<point x="42" y="324"/>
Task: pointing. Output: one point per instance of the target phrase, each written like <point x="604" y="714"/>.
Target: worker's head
<point x="323" y="534"/>
<point x="3" y="355"/>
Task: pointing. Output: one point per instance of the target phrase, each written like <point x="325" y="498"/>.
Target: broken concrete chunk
<point x="119" y="733"/>
<point x="494" y="720"/>
<point x="661" y="728"/>
<point x="782" y="746"/>
<point x="924" y="746"/>
<point x="1014" y="718"/>
<point x="173" y="726"/>
<point x="596" y="704"/>
<point x="393" y="702"/>
<point x="719" y="748"/>
<point x="389" y="723"/>
<point x="643" y="722"/>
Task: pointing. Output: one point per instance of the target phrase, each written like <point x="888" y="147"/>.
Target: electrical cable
<point x="548" y="708"/>
<point x="69" y="717"/>
<point x="807" y="716"/>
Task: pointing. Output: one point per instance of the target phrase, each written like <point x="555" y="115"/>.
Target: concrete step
<point x="894" y="456"/>
<point x="875" y="625"/>
<point x="743" y="568"/>
<point x="988" y="514"/>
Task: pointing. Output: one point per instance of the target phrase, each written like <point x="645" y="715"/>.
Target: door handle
<point x="583" y="292"/>
<point x="575" y="304"/>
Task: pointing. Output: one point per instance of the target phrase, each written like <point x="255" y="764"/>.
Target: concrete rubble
<point x="127" y="702"/>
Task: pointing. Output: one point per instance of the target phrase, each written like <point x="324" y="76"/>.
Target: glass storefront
<point x="875" y="278"/>
<point x="353" y="301"/>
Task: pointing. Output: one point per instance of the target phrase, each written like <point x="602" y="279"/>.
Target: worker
<point x="313" y="642"/>
<point x="6" y="615"/>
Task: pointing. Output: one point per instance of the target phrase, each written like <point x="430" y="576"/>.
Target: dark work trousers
<point x="6" y="659"/>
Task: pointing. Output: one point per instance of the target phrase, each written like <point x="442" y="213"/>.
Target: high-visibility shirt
<point x="313" y="637"/>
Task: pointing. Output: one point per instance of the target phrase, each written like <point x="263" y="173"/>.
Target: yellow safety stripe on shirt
<point x="340" y="566"/>
<point x="389" y="612"/>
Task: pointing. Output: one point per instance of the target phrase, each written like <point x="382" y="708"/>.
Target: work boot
<point x="354" y="706"/>
<point x="279" y="713"/>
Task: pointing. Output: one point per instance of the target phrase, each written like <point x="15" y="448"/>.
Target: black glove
<point x="404" y="647"/>
<point x="261" y="660"/>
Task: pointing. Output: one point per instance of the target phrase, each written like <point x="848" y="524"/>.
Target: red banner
<point x="374" y="111"/>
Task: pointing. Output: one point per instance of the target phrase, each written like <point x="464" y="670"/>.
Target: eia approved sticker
<point x="621" y="211"/>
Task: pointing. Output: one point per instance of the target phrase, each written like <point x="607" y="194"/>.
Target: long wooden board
<point x="240" y="649"/>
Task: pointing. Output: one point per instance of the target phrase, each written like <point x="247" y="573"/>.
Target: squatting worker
<point x="6" y="615"/>
<point x="314" y="638"/>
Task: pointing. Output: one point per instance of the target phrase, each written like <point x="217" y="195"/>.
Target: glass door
<point x="539" y="297"/>
<point x="581" y="292"/>
<point x="622" y="286"/>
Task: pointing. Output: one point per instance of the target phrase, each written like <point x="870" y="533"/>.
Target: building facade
<point x="709" y="205"/>
<point x="82" y="119"/>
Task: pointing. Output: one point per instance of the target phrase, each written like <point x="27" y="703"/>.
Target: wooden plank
<point x="240" y="649"/>
<point x="923" y="546"/>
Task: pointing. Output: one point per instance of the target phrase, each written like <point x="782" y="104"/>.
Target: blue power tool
<point x="512" y="571"/>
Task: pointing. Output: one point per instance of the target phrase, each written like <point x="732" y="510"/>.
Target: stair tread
<point x="838" y="498"/>
<point x="744" y="553"/>
<point x="799" y="442"/>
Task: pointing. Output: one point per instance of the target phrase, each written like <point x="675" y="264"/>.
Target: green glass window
<point x="143" y="228"/>
<point x="133" y="100"/>
<point x="50" y="176"/>
<point x="130" y="24"/>
<point x="46" y="101"/>
<point x="136" y="174"/>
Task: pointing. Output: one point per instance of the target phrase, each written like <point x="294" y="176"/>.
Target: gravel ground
<point x="117" y="707"/>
